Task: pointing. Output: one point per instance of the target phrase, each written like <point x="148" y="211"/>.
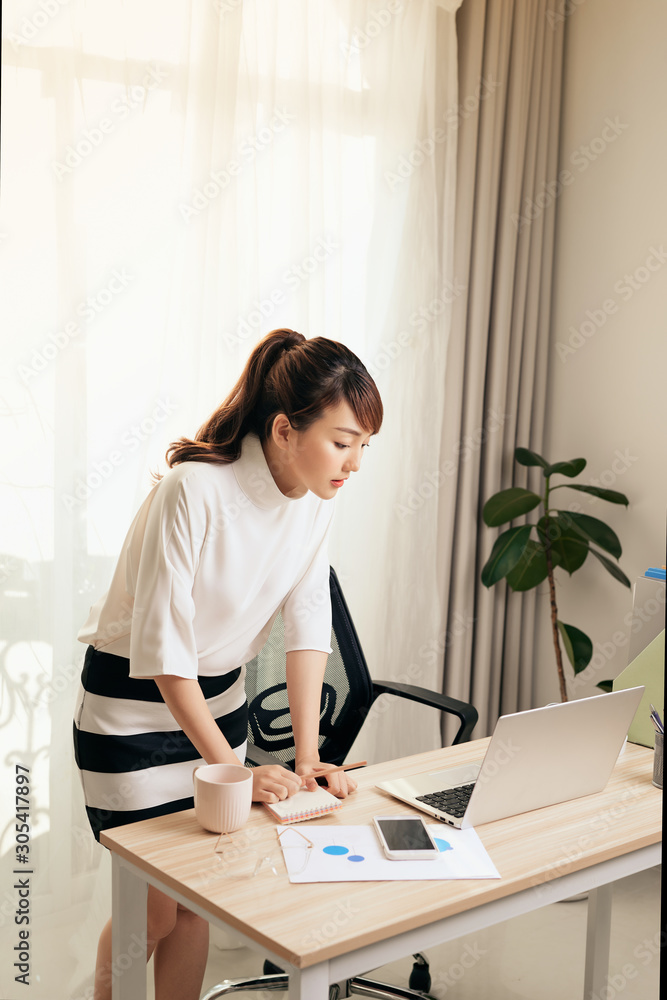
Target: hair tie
<point x="292" y="340"/>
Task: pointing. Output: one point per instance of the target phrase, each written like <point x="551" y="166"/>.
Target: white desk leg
<point x="597" y="941"/>
<point x="128" y="933"/>
<point x="309" y="984"/>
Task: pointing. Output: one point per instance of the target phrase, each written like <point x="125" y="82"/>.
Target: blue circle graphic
<point x="443" y="845"/>
<point x="336" y="849"/>
<point x="356" y="857"/>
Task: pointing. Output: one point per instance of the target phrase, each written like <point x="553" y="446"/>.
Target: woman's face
<point x="322" y="457"/>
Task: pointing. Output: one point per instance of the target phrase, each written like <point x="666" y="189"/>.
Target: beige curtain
<point x="510" y="68"/>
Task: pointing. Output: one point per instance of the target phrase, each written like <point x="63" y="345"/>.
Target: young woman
<point x="235" y="532"/>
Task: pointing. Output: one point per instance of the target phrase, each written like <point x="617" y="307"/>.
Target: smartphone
<point x="405" y="838"/>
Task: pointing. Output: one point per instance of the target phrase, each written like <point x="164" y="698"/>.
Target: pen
<point x="657" y="721"/>
<point x="334" y="770"/>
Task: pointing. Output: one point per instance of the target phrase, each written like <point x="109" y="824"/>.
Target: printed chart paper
<point x="354" y="854"/>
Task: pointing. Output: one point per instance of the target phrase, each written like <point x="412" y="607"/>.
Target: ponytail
<point x="284" y="374"/>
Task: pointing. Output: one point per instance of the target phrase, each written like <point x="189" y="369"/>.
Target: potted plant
<point x="528" y="554"/>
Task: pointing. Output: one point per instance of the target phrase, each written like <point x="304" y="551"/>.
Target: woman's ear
<point x="281" y="431"/>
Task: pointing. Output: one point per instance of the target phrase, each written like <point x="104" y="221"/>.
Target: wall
<point x="609" y="342"/>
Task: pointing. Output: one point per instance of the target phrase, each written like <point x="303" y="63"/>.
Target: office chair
<point x="348" y="694"/>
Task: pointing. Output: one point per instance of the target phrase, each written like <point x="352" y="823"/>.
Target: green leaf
<point x="594" y="530"/>
<point x="578" y="646"/>
<point x="505" y="554"/>
<point x="508" y="504"/>
<point x="612" y="568"/>
<point x="525" y="457"/>
<point x="606" y="686"/>
<point x="571" y="468"/>
<point x="612" y="496"/>
<point x="571" y="553"/>
<point x="531" y="568"/>
<point x="568" y="548"/>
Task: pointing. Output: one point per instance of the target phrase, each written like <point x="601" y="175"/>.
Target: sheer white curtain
<point x="178" y="179"/>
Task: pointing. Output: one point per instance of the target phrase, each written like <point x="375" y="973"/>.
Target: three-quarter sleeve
<point x="307" y="608"/>
<point x="162" y="636"/>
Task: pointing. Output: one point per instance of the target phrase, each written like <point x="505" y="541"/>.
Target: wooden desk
<point x="326" y="933"/>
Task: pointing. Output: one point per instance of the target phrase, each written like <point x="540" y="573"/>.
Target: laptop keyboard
<point x="450" y="800"/>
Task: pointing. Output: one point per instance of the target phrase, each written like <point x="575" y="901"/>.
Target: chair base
<point x="359" y="987"/>
<point x="229" y="986"/>
<point x="274" y="979"/>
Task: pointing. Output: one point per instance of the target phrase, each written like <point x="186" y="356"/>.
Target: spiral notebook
<point x="304" y="805"/>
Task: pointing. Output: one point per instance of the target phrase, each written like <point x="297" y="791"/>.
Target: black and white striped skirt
<point x="134" y="761"/>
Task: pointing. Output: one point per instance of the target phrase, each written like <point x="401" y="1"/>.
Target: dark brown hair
<point x="284" y="374"/>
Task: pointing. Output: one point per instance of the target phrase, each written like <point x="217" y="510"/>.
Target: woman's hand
<point x="340" y="784"/>
<point x="272" y="783"/>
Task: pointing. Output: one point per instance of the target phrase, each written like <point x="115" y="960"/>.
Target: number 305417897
<point x="22" y="813"/>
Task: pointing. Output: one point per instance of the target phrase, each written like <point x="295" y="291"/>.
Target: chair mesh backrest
<point x="347" y="692"/>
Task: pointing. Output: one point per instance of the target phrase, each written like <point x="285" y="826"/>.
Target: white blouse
<point x="213" y="554"/>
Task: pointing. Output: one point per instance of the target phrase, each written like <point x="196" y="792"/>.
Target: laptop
<point x="535" y="758"/>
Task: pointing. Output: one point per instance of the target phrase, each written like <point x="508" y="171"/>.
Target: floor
<point x="539" y="956"/>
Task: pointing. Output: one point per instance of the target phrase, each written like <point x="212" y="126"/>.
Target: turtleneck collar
<point x="254" y="476"/>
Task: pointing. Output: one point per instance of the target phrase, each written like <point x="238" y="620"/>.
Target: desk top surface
<point x="292" y="920"/>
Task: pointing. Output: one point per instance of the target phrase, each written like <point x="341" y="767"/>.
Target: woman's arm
<point x="185" y="700"/>
<point x="305" y="673"/>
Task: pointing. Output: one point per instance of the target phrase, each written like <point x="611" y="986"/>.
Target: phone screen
<point x="405" y="835"/>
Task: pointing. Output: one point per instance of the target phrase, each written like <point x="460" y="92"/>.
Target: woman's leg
<point x="161" y="916"/>
<point x="180" y="958"/>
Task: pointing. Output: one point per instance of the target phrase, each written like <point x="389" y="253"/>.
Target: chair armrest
<point x="258" y="757"/>
<point x="465" y="712"/>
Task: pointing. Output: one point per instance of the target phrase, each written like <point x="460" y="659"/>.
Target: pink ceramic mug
<point x="223" y="796"/>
